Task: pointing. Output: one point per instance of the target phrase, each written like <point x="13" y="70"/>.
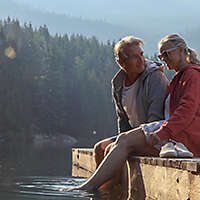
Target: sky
<point x="166" y="14"/>
<point x="151" y="19"/>
<point x="106" y="8"/>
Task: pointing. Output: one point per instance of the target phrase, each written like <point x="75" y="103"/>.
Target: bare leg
<point x="133" y="140"/>
<point x="116" y="179"/>
<point x="99" y="150"/>
<point x="124" y="177"/>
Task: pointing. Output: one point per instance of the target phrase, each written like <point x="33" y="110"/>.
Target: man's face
<point x="135" y="61"/>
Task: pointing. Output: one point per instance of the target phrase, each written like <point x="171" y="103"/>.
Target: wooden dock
<point x="150" y="177"/>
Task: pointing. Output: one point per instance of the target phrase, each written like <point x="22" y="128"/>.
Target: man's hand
<point x="154" y="139"/>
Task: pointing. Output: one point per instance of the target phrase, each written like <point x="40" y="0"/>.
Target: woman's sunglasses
<point x="165" y="54"/>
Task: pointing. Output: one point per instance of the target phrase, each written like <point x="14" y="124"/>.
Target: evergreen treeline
<point x="54" y="84"/>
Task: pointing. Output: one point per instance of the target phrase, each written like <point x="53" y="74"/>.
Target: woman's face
<point x="171" y="55"/>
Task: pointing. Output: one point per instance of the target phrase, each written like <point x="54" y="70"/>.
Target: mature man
<point x="139" y="90"/>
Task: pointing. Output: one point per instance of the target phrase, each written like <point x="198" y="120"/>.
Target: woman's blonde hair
<point x="178" y="41"/>
<point x="119" y="48"/>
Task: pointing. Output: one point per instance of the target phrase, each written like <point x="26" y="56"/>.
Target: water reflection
<point x="29" y="172"/>
<point x="41" y="188"/>
<point x="33" y="160"/>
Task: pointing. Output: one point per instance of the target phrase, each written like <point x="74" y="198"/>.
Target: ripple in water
<point x="42" y="188"/>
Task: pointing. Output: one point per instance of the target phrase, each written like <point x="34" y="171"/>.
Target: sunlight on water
<point x="42" y="188"/>
<point x="48" y="188"/>
<point x="41" y="174"/>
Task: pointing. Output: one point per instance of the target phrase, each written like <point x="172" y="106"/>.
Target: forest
<point x="54" y="85"/>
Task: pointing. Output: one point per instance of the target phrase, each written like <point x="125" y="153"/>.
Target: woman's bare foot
<point x="81" y="187"/>
<point x="68" y="189"/>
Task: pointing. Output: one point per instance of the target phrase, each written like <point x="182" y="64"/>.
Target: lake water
<point x="29" y="172"/>
<point x="41" y="188"/>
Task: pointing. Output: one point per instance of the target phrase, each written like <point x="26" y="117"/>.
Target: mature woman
<point x="183" y="124"/>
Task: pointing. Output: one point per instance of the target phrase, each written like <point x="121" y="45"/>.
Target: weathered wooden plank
<point x="164" y="183"/>
<point x="151" y="177"/>
<point x="78" y="171"/>
<point x="82" y="162"/>
<point x="179" y="163"/>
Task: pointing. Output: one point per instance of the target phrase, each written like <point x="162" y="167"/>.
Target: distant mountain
<point x="61" y="23"/>
<point x="100" y="9"/>
<point x="111" y="19"/>
<point x="126" y="12"/>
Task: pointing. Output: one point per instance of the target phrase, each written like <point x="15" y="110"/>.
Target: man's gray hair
<point x="119" y="48"/>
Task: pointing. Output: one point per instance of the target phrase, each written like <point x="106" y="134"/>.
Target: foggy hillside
<point x="61" y="23"/>
<point x="111" y="20"/>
